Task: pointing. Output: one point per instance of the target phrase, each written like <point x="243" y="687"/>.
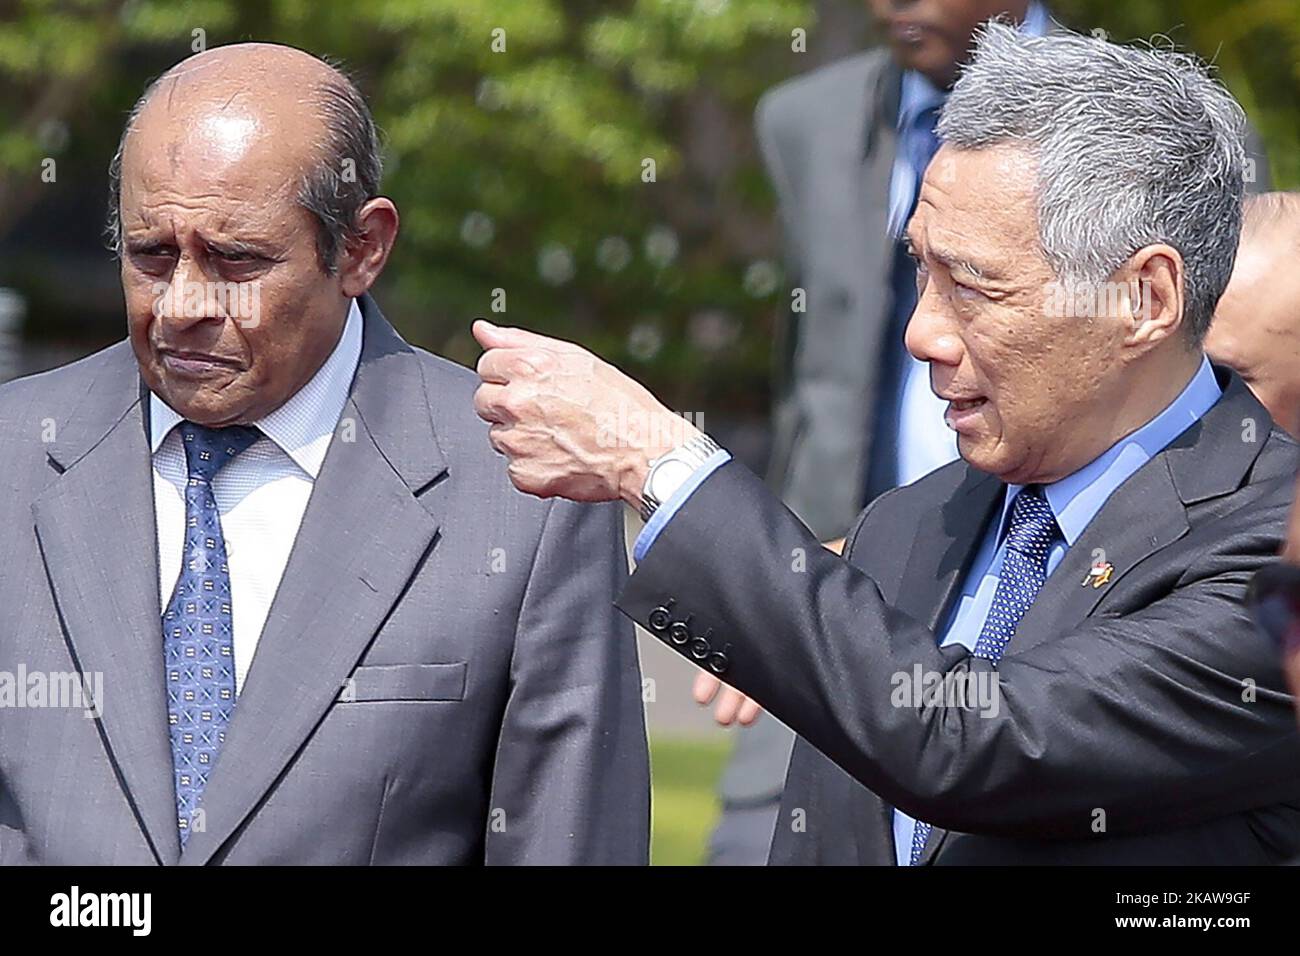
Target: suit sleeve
<point x="571" y="783"/>
<point x="1147" y="718"/>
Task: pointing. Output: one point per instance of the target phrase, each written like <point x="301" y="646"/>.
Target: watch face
<point x="667" y="477"/>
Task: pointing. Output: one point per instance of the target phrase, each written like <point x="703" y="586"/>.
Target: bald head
<point x="249" y="169"/>
<point x="1256" y="328"/>
<point x="254" y="99"/>
<point x="251" y="99"/>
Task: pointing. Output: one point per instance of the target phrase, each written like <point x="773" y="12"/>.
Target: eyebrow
<point x="955" y="263"/>
<point x="236" y="246"/>
<point x="239" y="246"/>
<point x="951" y="260"/>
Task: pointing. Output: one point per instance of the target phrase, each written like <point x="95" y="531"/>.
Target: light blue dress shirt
<point x="925" y="442"/>
<point x="1075" y="501"/>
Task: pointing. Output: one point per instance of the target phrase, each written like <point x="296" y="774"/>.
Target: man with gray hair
<point x="1037" y="654"/>
<point x="329" y="630"/>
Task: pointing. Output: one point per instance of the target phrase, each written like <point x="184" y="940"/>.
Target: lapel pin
<point x="1098" y="574"/>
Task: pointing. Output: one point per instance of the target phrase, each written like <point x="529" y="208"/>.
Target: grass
<point x="685" y="774"/>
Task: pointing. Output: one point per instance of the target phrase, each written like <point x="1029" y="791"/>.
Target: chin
<point x="982" y="455"/>
<point x="934" y="61"/>
<point x="198" y="408"/>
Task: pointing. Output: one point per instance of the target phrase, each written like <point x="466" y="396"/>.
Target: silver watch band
<point x="695" y="451"/>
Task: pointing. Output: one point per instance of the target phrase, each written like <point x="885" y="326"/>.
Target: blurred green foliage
<point x="685" y="773"/>
<point x="519" y="139"/>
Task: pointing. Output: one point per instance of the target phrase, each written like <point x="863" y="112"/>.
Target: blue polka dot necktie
<point x="198" y="638"/>
<point x="1031" y="533"/>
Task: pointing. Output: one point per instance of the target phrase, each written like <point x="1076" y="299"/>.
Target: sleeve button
<point x="659" y="619"/>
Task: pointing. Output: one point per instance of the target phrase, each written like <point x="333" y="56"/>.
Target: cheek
<point x="1023" y="374"/>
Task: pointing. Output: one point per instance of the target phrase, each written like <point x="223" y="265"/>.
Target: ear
<point x="363" y="259"/>
<point x="1153" y="309"/>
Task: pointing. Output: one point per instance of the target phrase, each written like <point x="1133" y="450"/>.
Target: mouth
<point x="963" y="414"/>
<point x="190" y="364"/>
<point x="906" y="33"/>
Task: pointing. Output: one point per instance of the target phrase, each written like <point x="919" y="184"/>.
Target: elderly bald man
<point x="1256" y="328"/>
<point x="324" y="627"/>
<point x="1038" y="654"/>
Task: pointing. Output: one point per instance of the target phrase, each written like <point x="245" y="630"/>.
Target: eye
<point x="236" y="256"/>
<point x="153" y="258"/>
<point x="967" y="292"/>
<point x="236" y="264"/>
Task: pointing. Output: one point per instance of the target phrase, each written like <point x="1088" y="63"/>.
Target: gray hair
<point x="334" y="187"/>
<point x="1135" y="146"/>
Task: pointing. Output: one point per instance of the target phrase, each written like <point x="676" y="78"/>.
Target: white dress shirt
<point x="261" y="494"/>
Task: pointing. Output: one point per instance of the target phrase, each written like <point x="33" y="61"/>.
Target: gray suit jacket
<point x="441" y="677"/>
<point x="1145" y="721"/>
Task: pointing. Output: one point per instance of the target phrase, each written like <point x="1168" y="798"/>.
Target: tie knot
<point x="208" y="450"/>
<point x="1032" y="529"/>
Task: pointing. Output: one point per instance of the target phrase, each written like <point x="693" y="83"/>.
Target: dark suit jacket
<point x="1144" y="721"/>
<point x="441" y="678"/>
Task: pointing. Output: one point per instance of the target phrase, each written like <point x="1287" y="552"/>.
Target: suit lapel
<point x="942" y="550"/>
<point x="95" y="525"/>
<point x="869" y="237"/>
<point x="946" y="540"/>
<point x="1143" y="515"/>
<point x="370" y="522"/>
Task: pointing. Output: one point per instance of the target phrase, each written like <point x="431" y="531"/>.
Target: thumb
<point x="505" y="337"/>
<point x="490" y="336"/>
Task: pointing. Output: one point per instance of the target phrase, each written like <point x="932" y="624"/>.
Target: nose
<point x="188" y="298"/>
<point x="930" y="335"/>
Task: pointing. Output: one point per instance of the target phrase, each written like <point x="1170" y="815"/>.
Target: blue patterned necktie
<point x="198" y="638"/>
<point x="1031" y="533"/>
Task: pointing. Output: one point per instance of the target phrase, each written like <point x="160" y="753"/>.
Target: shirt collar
<point x="1077" y="498"/>
<point x="918" y="94"/>
<point x="302" y="426"/>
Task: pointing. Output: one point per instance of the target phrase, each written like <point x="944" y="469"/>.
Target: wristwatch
<point x="668" y="472"/>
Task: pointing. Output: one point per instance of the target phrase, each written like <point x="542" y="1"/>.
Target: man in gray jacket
<point x="315" y="622"/>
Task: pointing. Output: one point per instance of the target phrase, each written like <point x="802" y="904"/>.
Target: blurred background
<point x="586" y="168"/>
